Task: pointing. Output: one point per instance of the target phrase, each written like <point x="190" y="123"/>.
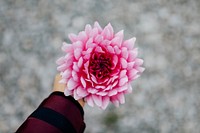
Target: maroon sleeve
<point x="56" y="114"/>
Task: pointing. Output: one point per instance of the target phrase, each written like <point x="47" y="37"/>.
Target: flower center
<point x="100" y="65"/>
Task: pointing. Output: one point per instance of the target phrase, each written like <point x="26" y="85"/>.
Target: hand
<point x="61" y="87"/>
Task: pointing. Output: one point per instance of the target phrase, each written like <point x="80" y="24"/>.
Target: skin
<point x="61" y="87"/>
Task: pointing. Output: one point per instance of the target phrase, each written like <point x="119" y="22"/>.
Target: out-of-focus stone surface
<point x="165" y="99"/>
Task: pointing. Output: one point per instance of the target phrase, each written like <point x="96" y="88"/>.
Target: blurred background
<point x="166" y="98"/>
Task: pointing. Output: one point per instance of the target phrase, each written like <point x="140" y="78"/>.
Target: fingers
<point x="58" y="86"/>
<point x="61" y="87"/>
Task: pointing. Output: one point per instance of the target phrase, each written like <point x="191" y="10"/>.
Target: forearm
<point x="56" y="114"/>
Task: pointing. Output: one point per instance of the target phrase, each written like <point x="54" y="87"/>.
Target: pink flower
<point x="99" y="65"/>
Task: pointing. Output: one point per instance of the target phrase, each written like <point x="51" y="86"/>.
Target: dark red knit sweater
<point x="56" y="114"/>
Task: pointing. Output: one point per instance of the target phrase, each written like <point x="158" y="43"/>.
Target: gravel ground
<point x="166" y="97"/>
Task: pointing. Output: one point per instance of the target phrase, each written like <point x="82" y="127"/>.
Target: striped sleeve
<point x="56" y="114"/>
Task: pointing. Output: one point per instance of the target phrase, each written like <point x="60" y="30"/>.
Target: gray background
<point x="165" y="99"/>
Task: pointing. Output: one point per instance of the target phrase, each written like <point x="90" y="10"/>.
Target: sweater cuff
<point x="58" y="93"/>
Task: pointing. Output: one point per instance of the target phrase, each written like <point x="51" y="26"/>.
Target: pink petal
<point x="93" y="33"/>
<point x="66" y="47"/>
<point x="77" y="44"/>
<point x="124" y="52"/>
<point x="76" y="96"/>
<point x="131" y="73"/>
<point x="93" y="78"/>
<point x="123" y="88"/>
<point x="116" y="41"/>
<point x="132" y="55"/>
<point x="89" y="43"/>
<point x="129" y="90"/>
<point x="141" y="69"/>
<point x="112" y="92"/>
<point x="123" y="81"/>
<point x="77" y="53"/>
<point x="63" y="81"/>
<point x="90" y="101"/>
<point x="67" y="92"/>
<point x="99" y="49"/>
<point x="80" y="62"/>
<point x="123" y="63"/>
<point x="96" y="25"/>
<point x="115" y="83"/>
<point x="81" y="92"/>
<point x="82" y="36"/>
<point x="106" y="32"/>
<point x="88" y="29"/>
<point x="120" y="97"/>
<point x="122" y="73"/>
<point x="92" y="90"/>
<point x="138" y="62"/>
<point x="130" y="65"/>
<point x="105" y="102"/>
<point x="100" y="87"/>
<point x="88" y="51"/>
<point x="118" y="38"/>
<point x="75" y="66"/>
<point x="60" y="61"/>
<point x="71" y="84"/>
<point x="97" y="100"/>
<point x="102" y="93"/>
<point x="98" y="39"/>
<point x="83" y="82"/>
<point x="115" y="61"/>
<point x="72" y="37"/>
<point x="61" y="68"/>
<point x="115" y="101"/>
<point x="75" y="76"/>
<point x="117" y="50"/>
<point x="120" y="34"/>
<point x="129" y="43"/>
<point x="110" y="49"/>
<point x="66" y="74"/>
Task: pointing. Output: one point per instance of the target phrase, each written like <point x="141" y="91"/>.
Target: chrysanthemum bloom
<point x="99" y="65"/>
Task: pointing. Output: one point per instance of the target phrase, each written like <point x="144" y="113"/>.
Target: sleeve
<point x="56" y="114"/>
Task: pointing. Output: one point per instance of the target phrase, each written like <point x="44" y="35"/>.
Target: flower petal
<point x="122" y="88"/>
<point x="102" y="93"/>
<point x="67" y="47"/>
<point x="83" y="82"/>
<point x="120" y="97"/>
<point x="71" y="84"/>
<point x="67" y="92"/>
<point x="98" y="39"/>
<point x="75" y="76"/>
<point x="123" y="81"/>
<point x="92" y="90"/>
<point x="72" y="37"/>
<point x="81" y="92"/>
<point x="132" y="55"/>
<point x="122" y="73"/>
<point x="105" y="102"/>
<point x="129" y="43"/>
<point x="66" y="74"/>
<point x="90" y="101"/>
<point x="96" y="24"/>
<point x="80" y="62"/>
<point x="124" y="52"/>
<point x="97" y="100"/>
<point x="77" y="53"/>
<point x="131" y="73"/>
<point x="112" y="92"/>
<point x="88" y="29"/>
<point x="75" y="66"/>
<point x="123" y="63"/>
